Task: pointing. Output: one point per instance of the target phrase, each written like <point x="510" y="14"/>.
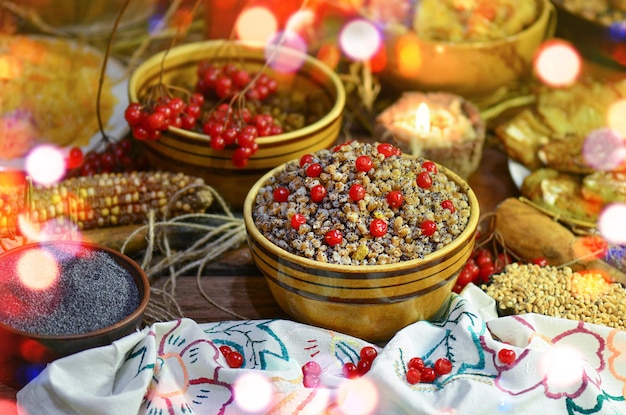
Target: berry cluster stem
<point x="107" y="53"/>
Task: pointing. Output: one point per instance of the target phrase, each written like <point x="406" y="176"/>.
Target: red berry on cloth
<point x="368" y="353"/>
<point x="442" y="366"/>
<point x="428" y="375"/>
<point x="234" y="359"/>
<point x="349" y="370"/>
<point x="413" y="376"/>
<point x="311" y="368"/>
<point x="507" y="356"/>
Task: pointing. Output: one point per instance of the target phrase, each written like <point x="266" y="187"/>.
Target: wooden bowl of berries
<point x="229" y="111"/>
<point x="62" y="297"/>
<point x="360" y="238"/>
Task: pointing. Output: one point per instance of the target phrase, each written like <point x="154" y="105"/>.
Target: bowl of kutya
<point x="62" y="297"/>
<point x="360" y="238"/>
<point x="246" y="109"/>
<point x="474" y="49"/>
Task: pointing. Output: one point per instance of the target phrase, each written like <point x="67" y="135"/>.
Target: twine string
<point x="220" y="232"/>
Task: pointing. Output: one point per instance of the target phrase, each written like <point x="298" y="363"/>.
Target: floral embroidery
<point x="561" y="366"/>
<point x="616" y="344"/>
<point x="566" y="367"/>
<point x="180" y="382"/>
<point x="458" y="336"/>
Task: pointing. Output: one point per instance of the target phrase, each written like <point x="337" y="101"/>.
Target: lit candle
<point x="438" y="126"/>
<point x="422" y="127"/>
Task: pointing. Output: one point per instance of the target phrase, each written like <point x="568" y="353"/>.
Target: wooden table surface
<point x="234" y="282"/>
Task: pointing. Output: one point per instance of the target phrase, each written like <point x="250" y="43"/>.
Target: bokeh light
<point x="357" y="397"/>
<point x="378" y="62"/>
<point x="617" y="31"/>
<point x="557" y="63"/>
<point x="604" y="149"/>
<point x="39" y="232"/>
<point x="612" y="223"/>
<point x="408" y="55"/>
<point x="301" y="21"/>
<point x="360" y="39"/>
<point x="256" y="24"/>
<point x="37" y="269"/>
<point x="156" y="22"/>
<point x="183" y="17"/>
<point x="616" y="117"/>
<point x="279" y="52"/>
<point x="45" y="164"/>
<point x="10" y="305"/>
<point x="27" y="372"/>
<point x="8" y="406"/>
<point x="253" y="392"/>
<point x="33" y="351"/>
<point x="318" y="403"/>
<point x="561" y="367"/>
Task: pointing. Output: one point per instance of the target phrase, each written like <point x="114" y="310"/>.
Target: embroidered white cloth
<point x="561" y="367"/>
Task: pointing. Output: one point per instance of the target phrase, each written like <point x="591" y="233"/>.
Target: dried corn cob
<point x="100" y="201"/>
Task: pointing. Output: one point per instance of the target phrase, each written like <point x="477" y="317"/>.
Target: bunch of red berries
<point x="366" y="358"/>
<point x="120" y="156"/>
<point x="418" y="372"/>
<point x="228" y="127"/>
<point x="228" y="81"/>
<point x="483" y="264"/>
<point x="147" y="122"/>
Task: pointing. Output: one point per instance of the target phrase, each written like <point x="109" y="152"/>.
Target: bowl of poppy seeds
<point x="62" y="297"/>
<point x="361" y="238"/>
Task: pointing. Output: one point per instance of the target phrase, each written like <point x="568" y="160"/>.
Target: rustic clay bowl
<point x="474" y="70"/>
<point x="51" y="347"/>
<point x="190" y="152"/>
<point x="371" y="302"/>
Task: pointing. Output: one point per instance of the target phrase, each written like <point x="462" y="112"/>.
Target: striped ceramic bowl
<point x="190" y="152"/>
<point x="371" y="302"/>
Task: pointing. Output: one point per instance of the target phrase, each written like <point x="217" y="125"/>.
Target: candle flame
<point x="422" y="118"/>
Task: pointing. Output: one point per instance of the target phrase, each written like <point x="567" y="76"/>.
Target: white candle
<point x="422" y="128"/>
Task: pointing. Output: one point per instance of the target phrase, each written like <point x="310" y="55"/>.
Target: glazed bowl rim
<point x="308" y="61"/>
<point x="470" y="229"/>
<point x="137" y="313"/>
<point x="547" y="8"/>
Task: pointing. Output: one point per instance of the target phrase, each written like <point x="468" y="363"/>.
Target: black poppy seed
<point x="92" y="292"/>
